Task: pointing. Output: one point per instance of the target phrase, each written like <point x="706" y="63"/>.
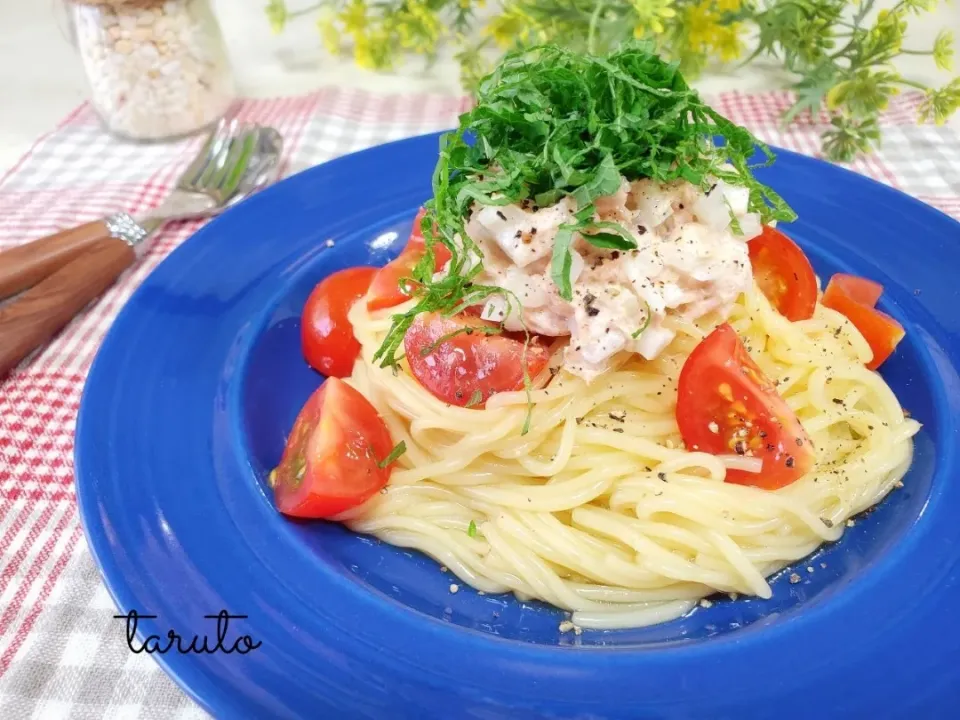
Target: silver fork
<point x="57" y="276"/>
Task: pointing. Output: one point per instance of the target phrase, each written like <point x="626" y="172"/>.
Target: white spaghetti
<point x="599" y="509"/>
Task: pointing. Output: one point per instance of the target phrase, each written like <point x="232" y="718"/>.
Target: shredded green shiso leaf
<point x="548" y="123"/>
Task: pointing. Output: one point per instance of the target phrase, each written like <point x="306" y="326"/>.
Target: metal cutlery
<point x="57" y="276"/>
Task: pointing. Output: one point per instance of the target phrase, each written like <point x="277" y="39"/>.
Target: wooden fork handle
<point x="41" y="312"/>
<point x="26" y="265"/>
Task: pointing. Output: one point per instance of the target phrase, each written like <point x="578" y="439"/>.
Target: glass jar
<point x="157" y="69"/>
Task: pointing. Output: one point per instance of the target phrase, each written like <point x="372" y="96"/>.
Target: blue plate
<point x="187" y="406"/>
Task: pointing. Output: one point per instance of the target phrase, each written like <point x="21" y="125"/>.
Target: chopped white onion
<point x="737" y="197"/>
<point x="712" y="211"/>
<point x="742" y="462"/>
<point x="576" y="265"/>
<point x="750" y="226"/>
<point x="530" y="289"/>
<point x="494" y="309"/>
<point x="654" y="205"/>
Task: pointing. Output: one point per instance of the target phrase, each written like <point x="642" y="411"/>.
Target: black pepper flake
<point x="554" y="371"/>
<point x="662" y="476"/>
<point x="518" y="234"/>
<point x="740" y="447"/>
<point x="799" y="442"/>
<point x="592" y="311"/>
<point x="647" y="468"/>
<point x="641" y="230"/>
<point x="459" y="395"/>
<point x="618" y="430"/>
<point x="837" y="401"/>
<point x="579" y="420"/>
<point x="501" y="215"/>
<point x="680" y="206"/>
<point x="789" y="461"/>
<point x="533" y="231"/>
<point x="618" y="418"/>
<point x="615" y="254"/>
<point x="836" y="333"/>
<point x="763" y="434"/>
<point x="712" y="188"/>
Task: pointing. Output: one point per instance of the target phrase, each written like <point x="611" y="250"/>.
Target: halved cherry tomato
<point x="460" y="364"/>
<point x="855" y="298"/>
<point x="331" y="461"/>
<point x="784" y="274"/>
<point x="326" y="336"/>
<point x="726" y="405"/>
<point x="385" y="290"/>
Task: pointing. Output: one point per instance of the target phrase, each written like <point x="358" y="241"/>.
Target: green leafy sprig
<point x="550" y="123"/>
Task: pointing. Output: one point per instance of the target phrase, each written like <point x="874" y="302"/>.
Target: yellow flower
<point x="728" y="5"/>
<point x="707" y="35"/>
<point x="837" y="93"/>
<point x="362" y="54"/>
<point x="650" y="16"/>
<point x="329" y="34"/>
<point x="513" y="25"/>
<point x="277" y="15"/>
<point x="939" y="104"/>
<point x="354" y="17"/>
<point x="943" y="50"/>
<point x="416" y="26"/>
<point x="727" y="42"/>
<point x="371" y="49"/>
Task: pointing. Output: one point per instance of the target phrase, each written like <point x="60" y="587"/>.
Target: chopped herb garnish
<point x="472" y="530"/>
<point x="550" y="123"/>
<point x="483" y="329"/>
<point x="646" y="324"/>
<point x="475" y="399"/>
<point x="399" y="449"/>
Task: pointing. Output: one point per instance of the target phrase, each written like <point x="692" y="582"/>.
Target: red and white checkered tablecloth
<point x="61" y="653"/>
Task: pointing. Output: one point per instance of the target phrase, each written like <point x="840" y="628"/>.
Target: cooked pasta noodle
<point x="599" y="509"/>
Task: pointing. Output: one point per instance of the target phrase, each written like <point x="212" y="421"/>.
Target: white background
<point x="41" y="79"/>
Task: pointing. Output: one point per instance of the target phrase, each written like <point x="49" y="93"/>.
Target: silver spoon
<point x="59" y="275"/>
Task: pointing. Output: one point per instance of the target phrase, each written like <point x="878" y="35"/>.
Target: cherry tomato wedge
<point x="784" y="274"/>
<point x="385" y="290"/>
<point x="855" y="298"/>
<point x="331" y="461"/>
<point x="326" y="336"/>
<point x="460" y="364"/>
<point x="726" y="405"/>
